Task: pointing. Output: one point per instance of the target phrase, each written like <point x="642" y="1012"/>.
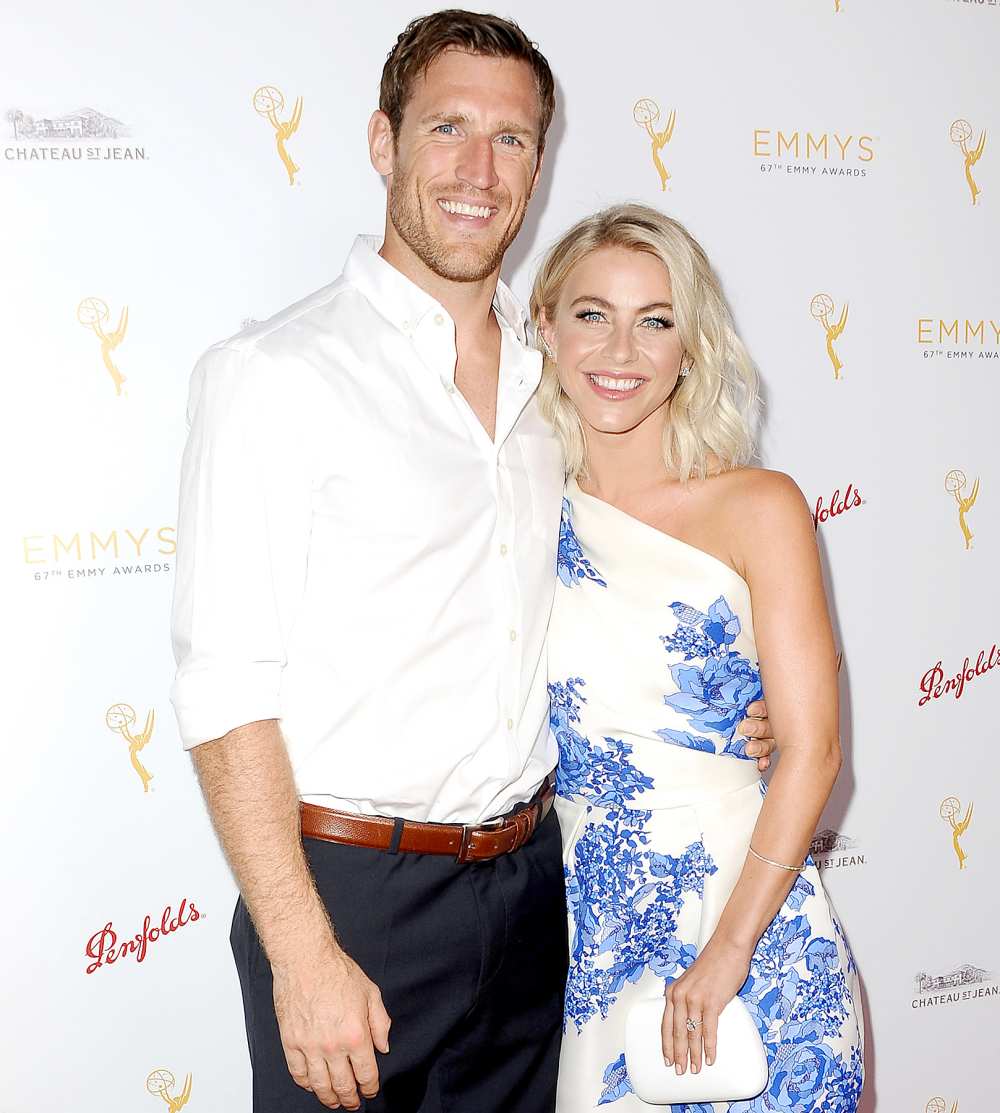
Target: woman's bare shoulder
<point x="754" y="490"/>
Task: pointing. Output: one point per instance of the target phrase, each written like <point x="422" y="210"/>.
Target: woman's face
<point x="613" y="338"/>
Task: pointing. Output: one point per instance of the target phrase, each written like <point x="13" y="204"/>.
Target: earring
<point x="684" y="372"/>
<point x="545" y="345"/>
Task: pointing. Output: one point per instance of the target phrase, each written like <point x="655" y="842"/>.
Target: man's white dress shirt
<point x="357" y="559"/>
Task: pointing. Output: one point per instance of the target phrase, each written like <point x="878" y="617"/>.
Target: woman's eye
<point x="658" y="323"/>
<point x="589" y="315"/>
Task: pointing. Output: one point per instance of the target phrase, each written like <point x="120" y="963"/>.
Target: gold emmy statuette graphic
<point x="961" y="133"/>
<point x="269" y="101"/>
<point x="836" y="5"/>
<point x="950" y="808"/>
<point x="954" y="484"/>
<point x="92" y="313"/>
<point x="121" y="718"/>
<point x="939" y="1105"/>
<point x="822" y="309"/>
<point x="161" y="1082"/>
<point x="645" y="113"/>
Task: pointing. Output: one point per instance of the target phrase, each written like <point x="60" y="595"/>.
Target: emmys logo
<point x="103" y="946"/>
<point x="90" y="547"/>
<point x="836" y="6"/>
<point x="954" y="484"/>
<point x="961" y="132"/>
<point x="954" y="339"/>
<point x="59" y="138"/>
<point x="939" y="1105"/>
<point x="838" y="505"/>
<point x="822" y="309"/>
<point x="268" y="101"/>
<point x="951" y="808"/>
<point x="120" y="718"/>
<point x="161" y="1082"/>
<point x="830" y="850"/>
<point x="963" y="984"/>
<point x="646" y="112"/>
<point x="92" y="313"/>
<point x="933" y="684"/>
<point x="810" y="154"/>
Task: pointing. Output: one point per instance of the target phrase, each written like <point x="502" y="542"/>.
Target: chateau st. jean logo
<point x="965" y="983"/>
<point x="831" y="849"/>
<point x="85" y="135"/>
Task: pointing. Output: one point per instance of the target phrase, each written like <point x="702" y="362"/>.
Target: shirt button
<point x="510" y="724"/>
<point x="438" y="319"/>
<point x="503" y="550"/>
<point x="513" y="635"/>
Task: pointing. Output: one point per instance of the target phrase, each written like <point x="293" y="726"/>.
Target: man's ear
<point x="381" y="145"/>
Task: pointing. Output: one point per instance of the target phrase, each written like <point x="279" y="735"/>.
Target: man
<point x="369" y="516"/>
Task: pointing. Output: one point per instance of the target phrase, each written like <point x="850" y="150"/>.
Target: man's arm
<point x="244" y="525"/>
<point x="328" y="1011"/>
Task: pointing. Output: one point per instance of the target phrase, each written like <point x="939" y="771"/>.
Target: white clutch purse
<point x="738" y="1073"/>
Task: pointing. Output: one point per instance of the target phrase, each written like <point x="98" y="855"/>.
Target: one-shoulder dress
<point x="652" y="665"/>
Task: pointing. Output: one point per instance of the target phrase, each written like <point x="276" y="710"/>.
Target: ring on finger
<point x="692" y="1025"/>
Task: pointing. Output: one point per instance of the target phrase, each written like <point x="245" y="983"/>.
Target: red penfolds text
<point x="851" y="498"/>
<point x="103" y="946"/>
<point x="934" y="684"/>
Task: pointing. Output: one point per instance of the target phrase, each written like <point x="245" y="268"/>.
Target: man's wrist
<point x="303" y="944"/>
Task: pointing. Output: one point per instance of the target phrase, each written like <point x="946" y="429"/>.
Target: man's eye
<point x="441" y="128"/>
<point x="511" y="141"/>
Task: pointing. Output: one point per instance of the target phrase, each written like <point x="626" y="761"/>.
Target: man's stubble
<point x="473" y="264"/>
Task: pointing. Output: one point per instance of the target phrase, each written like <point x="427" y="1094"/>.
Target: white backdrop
<point x="813" y="152"/>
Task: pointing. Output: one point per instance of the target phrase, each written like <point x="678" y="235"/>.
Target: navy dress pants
<point x="471" y="962"/>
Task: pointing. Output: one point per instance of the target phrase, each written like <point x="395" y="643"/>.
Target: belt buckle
<point x="462" y="857"/>
<point x="467" y="831"/>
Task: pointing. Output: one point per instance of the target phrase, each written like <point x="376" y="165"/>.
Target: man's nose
<point x="477" y="164"/>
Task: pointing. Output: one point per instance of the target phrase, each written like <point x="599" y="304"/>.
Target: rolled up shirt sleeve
<point x="242" y="540"/>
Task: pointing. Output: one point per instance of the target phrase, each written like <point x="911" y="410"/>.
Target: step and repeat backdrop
<point x="170" y="175"/>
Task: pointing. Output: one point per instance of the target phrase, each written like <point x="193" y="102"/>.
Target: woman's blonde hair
<point x="709" y="425"/>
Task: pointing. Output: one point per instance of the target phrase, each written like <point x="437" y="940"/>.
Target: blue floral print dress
<point x="652" y="665"/>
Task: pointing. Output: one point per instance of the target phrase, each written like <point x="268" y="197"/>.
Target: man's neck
<point x="469" y="304"/>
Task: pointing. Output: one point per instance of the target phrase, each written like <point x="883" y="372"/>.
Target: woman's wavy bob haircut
<point x="708" y="428"/>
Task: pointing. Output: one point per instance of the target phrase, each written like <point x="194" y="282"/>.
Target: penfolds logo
<point x="103" y="946"/>
<point x="838" y="504"/>
<point x="934" y="684"/>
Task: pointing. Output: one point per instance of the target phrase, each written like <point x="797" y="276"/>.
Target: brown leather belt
<point x="464" y="842"/>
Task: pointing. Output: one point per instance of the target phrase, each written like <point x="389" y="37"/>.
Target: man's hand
<point x="331" y="1019"/>
<point x="756" y="727"/>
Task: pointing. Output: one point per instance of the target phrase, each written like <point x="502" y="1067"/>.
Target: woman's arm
<point x="799" y="673"/>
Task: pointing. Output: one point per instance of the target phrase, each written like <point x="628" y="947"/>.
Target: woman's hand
<point x="701" y="993"/>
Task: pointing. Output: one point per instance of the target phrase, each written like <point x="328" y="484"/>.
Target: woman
<point x="679" y="870"/>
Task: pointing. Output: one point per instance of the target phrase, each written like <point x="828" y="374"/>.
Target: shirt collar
<point x="403" y="302"/>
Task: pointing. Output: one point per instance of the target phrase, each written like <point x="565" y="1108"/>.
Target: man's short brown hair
<point x="431" y="35"/>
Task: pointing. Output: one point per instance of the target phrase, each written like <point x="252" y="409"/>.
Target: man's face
<point x="465" y="163"/>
